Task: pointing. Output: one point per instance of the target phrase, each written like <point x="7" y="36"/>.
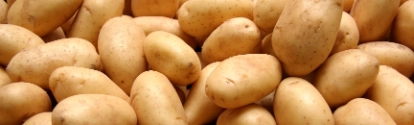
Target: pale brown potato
<point x="348" y="34"/>
<point x="203" y="64"/>
<point x="266" y="45"/>
<point x="361" y="111"/>
<point x="155" y="101"/>
<point x="181" y="92"/>
<point x="305" y="34"/>
<point x="267" y="101"/>
<point x="395" y="93"/>
<point x="166" y="8"/>
<point x="44" y="118"/>
<point x="374" y="18"/>
<point x="3" y="12"/>
<point x="20" y="101"/>
<point x="348" y="5"/>
<point x="4" y="77"/>
<point x="267" y="12"/>
<point x="251" y="114"/>
<point x="181" y="3"/>
<point x="93" y="109"/>
<point x="56" y="34"/>
<point x="42" y="16"/>
<point x="403" y="25"/>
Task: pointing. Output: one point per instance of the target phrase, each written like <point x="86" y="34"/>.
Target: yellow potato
<point x="44" y="118"/>
<point x="165" y="8"/>
<point x="170" y="55"/>
<point x="4" y="77"/>
<point x="243" y="79"/>
<point x="91" y="17"/>
<point x="199" y="18"/>
<point x="93" y="109"/>
<point x="20" y="101"/>
<point x="374" y="18"/>
<point x="120" y="45"/>
<point x="236" y="36"/>
<point x="42" y="16"/>
<point x="3" y="12"/>
<point x="392" y="54"/>
<point x="305" y="34"/>
<point x="155" y="101"/>
<point x="13" y="40"/>
<point x="348" y="35"/>
<point x="35" y="64"/>
<point x="198" y="107"/>
<point x="348" y="5"/>
<point x="251" y="114"/>
<point x="297" y="102"/>
<point x="56" y="34"/>
<point x="181" y="3"/>
<point x="395" y="93"/>
<point x="403" y="25"/>
<point x="361" y="111"/>
<point x="267" y="12"/>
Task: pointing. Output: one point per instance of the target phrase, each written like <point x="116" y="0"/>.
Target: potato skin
<point x="105" y="109"/>
<point x="348" y="5"/>
<point x="56" y="34"/>
<point x="348" y="34"/>
<point x="305" y="34"/>
<point x="21" y="101"/>
<point x="165" y="8"/>
<point x="234" y="82"/>
<point x="403" y="27"/>
<point x="4" y="77"/>
<point x="43" y="118"/>
<point x="3" y="12"/>
<point x="293" y="100"/>
<point x="267" y="12"/>
<point x="35" y="64"/>
<point x="251" y="114"/>
<point x="155" y="101"/>
<point x="266" y="45"/>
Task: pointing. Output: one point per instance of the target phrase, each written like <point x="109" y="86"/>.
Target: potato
<point x="44" y="118"/>
<point x="348" y="5"/>
<point x="203" y="64"/>
<point x="35" y="64"/>
<point x="362" y="111"/>
<point x="181" y="92"/>
<point x="155" y="101"/>
<point x="267" y="101"/>
<point x="56" y="34"/>
<point x="305" y="34"/>
<point x="20" y="101"/>
<point x="266" y="45"/>
<point x="13" y="40"/>
<point x="267" y="12"/>
<point x="374" y="18"/>
<point x="395" y="93"/>
<point x="199" y="18"/>
<point x="251" y="114"/>
<point x="122" y="40"/>
<point x="66" y="26"/>
<point x="235" y="81"/>
<point x="236" y="36"/>
<point x="198" y="107"/>
<point x="183" y="66"/>
<point x="10" y="2"/>
<point x="403" y="27"/>
<point x="165" y="8"/>
<point x="104" y="109"/>
<point x="42" y="16"/>
<point x="297" y="102"/>
<point x="159" y="23"/>
<point x="403" y="1"/>
<point x="91" y="17"/>
<point x="345" y="76"/>
<point x="4" y="77"/>
<point x="392" y="54"/>
<point x="181" y="3"/>
<point x="3" y="12"/>
<point x="348" y="34"/>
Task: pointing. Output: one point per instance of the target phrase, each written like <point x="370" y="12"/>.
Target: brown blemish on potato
<point x="401" y="104"/>
<point x="229" y="81"/>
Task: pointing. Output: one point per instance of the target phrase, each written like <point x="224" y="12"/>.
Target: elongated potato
<point x="105" y="109"/>
<point x="348" y="34"/>
<point x="44" y="118"/>
<point x="165" y="8"/>
<point x="56" y="34"/>
<point x="251" y="114"/>
<point x="13" y="40"/>
<point x="3" y="12"/>
<point x="267" y="12"/>
<point x="122" y="40"/>
<point x="403" y="27"/>
<point x="155" y="101"/>
<point x="305" y="34"/>
<point x="4" y="78"/>
<point x="35" y="64"/>
<point x="42" y="16"/>
<point x="293" y="100"/>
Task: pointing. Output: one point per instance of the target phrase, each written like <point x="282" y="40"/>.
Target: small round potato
<point x="348" y="34"/>
<point x="44" y="118"/>
<point x="267" y="12"/>
<point x="403" y="26"/>
<point x="4" y="77"/>
<point x="251" y="114"/>
<point x="167" y="8"/>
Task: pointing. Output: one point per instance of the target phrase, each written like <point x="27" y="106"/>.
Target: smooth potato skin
<point x="348" y="34"/>
<point x="251" y="114"/>
<point x="403" y="27"/>
<point x="165" y="8"/>
<point x="44" y="118"/>
<point x="266" y="45"/>
<point x="267" y="12"/>
<point x="4" y="77"/>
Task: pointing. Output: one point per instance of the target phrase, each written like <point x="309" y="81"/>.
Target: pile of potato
<point x="224" y="62"/>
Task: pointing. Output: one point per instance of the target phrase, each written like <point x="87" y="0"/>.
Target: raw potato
<point x="3" y="12"/>
<point x="345" y="76"/>
<point x="395" y="93"/>
<point x="305" y="34"/>
<point x="10" y="2"/>
<point x="374" y="18"/>
<point x="20" y="101"/>
<point x="267" y="101"/>
<point x="44" y="118"/>
<point x="267" y="12"/>
<point x="361" y="111"/>
<point x="155" y="101"/>
<point x="236" y="36"/>
<point x="159" y="23"/>
<point x="392" y="54"/>
<point x="181" y="93"/>
<point x="403" y="25"/>
<point x="183" y="67"/>
<point x="403" y="1"/>
<point x="104" y="109"/>
<point x="13" y="40"/>
<point x="235" y="81"/>
<point x="165" y="8"/>
<point x="297" y="102"/>
<point x="348" y="5"/>
<point x="67" y="81"/>
<point x="42" y="16"/>
<point x="251" y="114"/>
<point x="56" y="34"/>
<point x="199" y="18"/>
<point x="120" y="45"/>
<point x="198" y="107"/>
<point x="348" y="34"/>
<point x="4" y="77"/>
<point x="66" y="26"/>
<point x="266" y="45"/>
<point x="91" y="17"/>
<point x="35" y="64"/>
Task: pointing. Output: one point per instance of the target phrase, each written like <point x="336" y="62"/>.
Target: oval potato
<point x="166" y="8"/>
<point x="266" y="45"/>
<point x="251" y="114"/>
<point x="403" y="27"/>
<point x="44" y="118"/>
<point x="348" y="34"/>
<point x="4" y="77"/>
<point x="267" y="12"/>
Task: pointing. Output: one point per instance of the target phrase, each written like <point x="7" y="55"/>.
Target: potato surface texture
<point x="4" y="77"/>
<point x="348" y="34"/>
<point x="267" y="12"/>
<point x="403" y="27"/>
<point x="43" y="118"/>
